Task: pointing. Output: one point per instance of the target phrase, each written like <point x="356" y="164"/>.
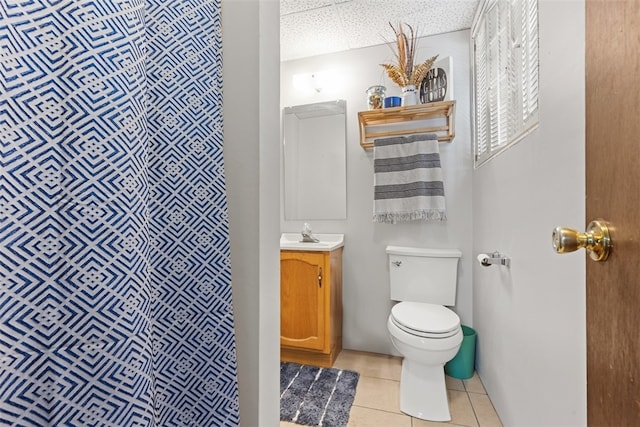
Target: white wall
<point x="251" y="130"/>
<point x="531" y="319"/>
<point x="366" y="301"/>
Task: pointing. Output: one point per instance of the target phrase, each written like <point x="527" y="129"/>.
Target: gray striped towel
<point x="407" y="179"/>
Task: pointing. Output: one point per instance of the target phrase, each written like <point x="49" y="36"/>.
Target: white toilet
<point x="421" y="328"/>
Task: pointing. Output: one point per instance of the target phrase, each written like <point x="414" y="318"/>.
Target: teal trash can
<point x="463" y="365"/>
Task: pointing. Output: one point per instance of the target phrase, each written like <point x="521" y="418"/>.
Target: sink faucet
<point x="307" y="237"/>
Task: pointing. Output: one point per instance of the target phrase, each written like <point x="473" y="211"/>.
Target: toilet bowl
<point x="427" y="336"/>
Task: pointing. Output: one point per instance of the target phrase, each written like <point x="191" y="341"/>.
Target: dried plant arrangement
<point x="404" y="73"/>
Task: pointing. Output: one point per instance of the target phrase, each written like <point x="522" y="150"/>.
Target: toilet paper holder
<point x="495" y="258"/>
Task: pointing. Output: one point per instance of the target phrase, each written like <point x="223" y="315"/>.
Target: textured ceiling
<point x="316" y="27"/>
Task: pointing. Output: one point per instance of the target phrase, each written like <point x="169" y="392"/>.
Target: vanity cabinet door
<point x="303" y="300"/>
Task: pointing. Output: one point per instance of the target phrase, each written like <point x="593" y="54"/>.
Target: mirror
<point x="314" y="149"/>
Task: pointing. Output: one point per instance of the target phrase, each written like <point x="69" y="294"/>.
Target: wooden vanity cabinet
<point x="310" y="306"/>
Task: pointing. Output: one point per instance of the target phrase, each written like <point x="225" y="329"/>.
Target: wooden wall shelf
<point x="376" y="123"/>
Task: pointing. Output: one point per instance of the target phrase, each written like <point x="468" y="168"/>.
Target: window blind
<point x="505" y="49"/>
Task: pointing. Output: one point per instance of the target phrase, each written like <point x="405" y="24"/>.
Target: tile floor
<point x="377" y="397"/>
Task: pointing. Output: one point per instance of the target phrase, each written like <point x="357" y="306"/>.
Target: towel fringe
<point x="420" y="215"/>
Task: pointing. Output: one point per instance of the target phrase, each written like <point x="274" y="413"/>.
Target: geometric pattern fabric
<point x="115" y="287"/>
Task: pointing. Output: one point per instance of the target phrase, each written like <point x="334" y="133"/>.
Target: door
<point x="613" y="194"/>
<point x="302" y="300"/>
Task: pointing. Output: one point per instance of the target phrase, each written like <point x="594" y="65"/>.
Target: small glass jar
<point x="375" y="97"/>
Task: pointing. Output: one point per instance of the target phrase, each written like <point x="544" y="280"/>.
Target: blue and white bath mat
<point x="314" y="396"/>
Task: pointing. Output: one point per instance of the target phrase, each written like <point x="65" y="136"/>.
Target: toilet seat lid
<point x="425" y="319"/>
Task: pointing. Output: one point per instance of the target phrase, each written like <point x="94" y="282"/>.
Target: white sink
<point x="328" y="242"/>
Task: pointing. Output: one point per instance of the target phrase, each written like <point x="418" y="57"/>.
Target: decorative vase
<point x="409" y="96"/>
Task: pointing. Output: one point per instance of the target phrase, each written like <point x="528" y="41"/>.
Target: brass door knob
<point x="596" y="240"/>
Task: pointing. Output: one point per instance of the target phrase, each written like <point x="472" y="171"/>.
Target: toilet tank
<point x="423" y="275"/>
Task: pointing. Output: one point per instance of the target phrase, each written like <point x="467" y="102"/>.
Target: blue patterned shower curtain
<point x="115" y="293"/>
